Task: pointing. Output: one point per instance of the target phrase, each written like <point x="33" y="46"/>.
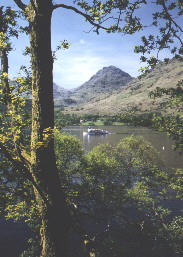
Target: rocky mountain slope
<point x="131" y="96"/>
<point x="60" y="92"/>
<point x="62" y="96"/>
<point x="105" y="82"/>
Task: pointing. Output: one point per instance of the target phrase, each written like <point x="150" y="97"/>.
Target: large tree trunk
<point x="53" y="208"/>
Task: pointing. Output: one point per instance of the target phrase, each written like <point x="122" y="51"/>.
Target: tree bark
<point x="4" y="66"/>
<point x="54" y="213"/>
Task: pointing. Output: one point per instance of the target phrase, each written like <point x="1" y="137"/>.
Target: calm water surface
<point x="158" y="139"/>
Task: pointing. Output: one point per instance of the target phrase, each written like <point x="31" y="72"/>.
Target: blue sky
<point x="88" y="52"/>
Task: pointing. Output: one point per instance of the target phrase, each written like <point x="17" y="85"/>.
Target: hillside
<point x="105" y="82"/>
<point x="135" y="95"/>
<point x="60" y="92"/>
<point x="62" y="96"/>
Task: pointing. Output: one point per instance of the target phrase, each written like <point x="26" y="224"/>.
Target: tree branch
<point x="20" y="4"/>
<point x="169" y="16"/>
<point x="88" y="17"/>
<point x="26" y="170"/>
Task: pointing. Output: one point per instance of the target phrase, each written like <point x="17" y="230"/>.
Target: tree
<point x="166" y="21"/>
<point x="42" y="175"/>
<point x="39" y="165"/>
<point x="171" y="124"/>
<point x="119" y="201"/>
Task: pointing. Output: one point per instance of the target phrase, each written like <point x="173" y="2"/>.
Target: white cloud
<point x="74" y="70"/>
<point x="84" y="59"/>
<point x="76" y="66"/>
<point x="82" y="42"/>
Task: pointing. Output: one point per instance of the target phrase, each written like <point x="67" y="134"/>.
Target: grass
<point x="96" y="123"/>
<point x="100" y="123"/>
<point x="118" y="123"/>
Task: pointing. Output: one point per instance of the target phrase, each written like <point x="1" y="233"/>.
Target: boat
<point x="92" y="131"/>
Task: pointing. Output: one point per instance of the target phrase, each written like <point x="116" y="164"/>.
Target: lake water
<point x="16" y="234"/>
<point x="159" y="140"/>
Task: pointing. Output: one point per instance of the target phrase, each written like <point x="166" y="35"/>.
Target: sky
<point x="88" y="51"/>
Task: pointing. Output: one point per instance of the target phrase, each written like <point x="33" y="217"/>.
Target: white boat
<point x="95" y="132"/>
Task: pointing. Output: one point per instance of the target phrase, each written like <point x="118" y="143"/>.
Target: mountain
<point x="60" y="92"/>
<point x="62" y="96"/>
<point x="133" y="95"/>
<point x="105" y="82"/>
<point x="101" y="85"/>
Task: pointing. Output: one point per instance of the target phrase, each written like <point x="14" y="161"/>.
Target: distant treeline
<point x="128" y="118"/>
<point x="138" y="119"/>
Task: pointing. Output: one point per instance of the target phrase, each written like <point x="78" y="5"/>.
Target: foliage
<point x="136" y="118"/>
<point x="69" y="153"/>
<point x="166" y="19"/>
<point x="62" y="120"/>
<point x="91" y="117"/>
<point x="151" y="64"/>
<point x="175" y="94"/>
<point x="123" y="186"/>
<point x="88" y="198"/>
<point x="172" y="124"/>
<point x="117" y="200"/>
<point x="9" y="27"/>
<point x="31" y="160"/>
<point x="108" y="121"/>
<point x="15" y="120"/>
<point x="63" y="45"/>
<point x="115" y="196"/>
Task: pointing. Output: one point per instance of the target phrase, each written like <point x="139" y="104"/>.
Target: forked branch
<point x="86" y="16"/>
<point x="20" y="4"/>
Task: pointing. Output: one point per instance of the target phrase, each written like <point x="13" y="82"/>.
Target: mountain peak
<point x="101" y="85"/>
<point x="113" y="70"/>
<point x="106" y="81"/>
<point x="111" y="76"/>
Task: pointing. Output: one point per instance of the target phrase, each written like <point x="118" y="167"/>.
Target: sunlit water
<point x="159" y="140"/>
